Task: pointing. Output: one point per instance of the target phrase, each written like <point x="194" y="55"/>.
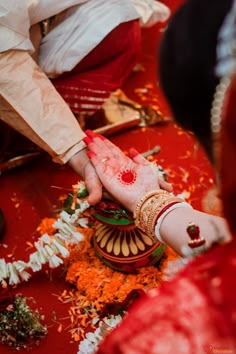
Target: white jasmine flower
<point x="90" y="343"/>
<point x="83" y="222"/>
<point x="49" y="251"/>
<point x="113" y="321"/>
<point x="55" y="261"/>
<point x="20" y="266"/>
<point x="13" y="276"/>
<point x="3" y="269"/>
<point x="42" y="254"/>
<point x="46" y="238"/>
<point x="64" y="216"/>
<point x="35" y="262"/>
<point x="65" y="228"/>
<point x="56" y="242"/>
<point x="86" y="347"/>
<point x="92" y="339"/>
<point x="95" y="320"/>
<point x="49" y="248"/>
<point x="77" y="237"/>
<point x="25" y="276"/>
<point x="60" y="228"/>
<point x="84" y="204"/>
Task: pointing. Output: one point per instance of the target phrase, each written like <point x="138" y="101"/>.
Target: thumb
<point x="165" y="185"/>
<point x="93" y="185"/>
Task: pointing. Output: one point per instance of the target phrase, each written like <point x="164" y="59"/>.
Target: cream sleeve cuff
<point x="31" y="105"/>
<point x="64" y="158"/>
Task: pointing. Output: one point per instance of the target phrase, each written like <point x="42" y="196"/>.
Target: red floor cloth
<point x="26" y="195"/>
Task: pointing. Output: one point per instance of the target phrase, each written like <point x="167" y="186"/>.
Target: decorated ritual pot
<point x="119" y="243"/>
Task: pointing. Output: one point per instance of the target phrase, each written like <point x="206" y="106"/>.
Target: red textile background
<point x="27" y="196"/>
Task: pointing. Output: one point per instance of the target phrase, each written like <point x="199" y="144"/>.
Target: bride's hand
<point x="126" y="178"/>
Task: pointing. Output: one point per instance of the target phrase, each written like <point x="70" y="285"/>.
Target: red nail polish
<point x="87" y="140"/>
<point x="93" y="135"/>
<point x="90" y="133"/>
<point x="133" y="152"/>
<point x="100" y="137"/>
<point x="91" y="154"/>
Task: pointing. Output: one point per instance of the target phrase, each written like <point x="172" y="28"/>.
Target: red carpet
<point x="27" y="195"/>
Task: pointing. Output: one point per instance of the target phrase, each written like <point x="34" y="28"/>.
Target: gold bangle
<point x="146" y="197"/>
<point x="149" y="207"/>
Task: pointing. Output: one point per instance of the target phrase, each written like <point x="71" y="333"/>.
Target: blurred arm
<point x="31" y="105"/>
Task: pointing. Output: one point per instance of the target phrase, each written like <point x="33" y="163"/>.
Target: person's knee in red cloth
<point x="103" y="70"/>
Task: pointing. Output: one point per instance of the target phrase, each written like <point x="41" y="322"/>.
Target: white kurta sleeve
<point x="31" y="105"/>
<point x="151" y="11"/>
<point x="14" y="26"/>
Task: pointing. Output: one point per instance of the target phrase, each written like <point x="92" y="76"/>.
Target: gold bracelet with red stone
<point x="150" y="206"/>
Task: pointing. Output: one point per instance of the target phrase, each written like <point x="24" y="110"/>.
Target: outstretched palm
<point x="127" y="179"/>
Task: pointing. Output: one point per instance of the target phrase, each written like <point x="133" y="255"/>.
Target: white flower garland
<point x="49" y="249"/>
<point x="90" y="344"/>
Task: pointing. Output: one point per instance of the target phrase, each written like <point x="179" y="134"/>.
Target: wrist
<point x="79" y="161"/>
<point x="164" y="213"/>
<point x="69" y="156"/>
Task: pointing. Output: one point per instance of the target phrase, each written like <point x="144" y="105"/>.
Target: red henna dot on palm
<point x="127" y="177"/>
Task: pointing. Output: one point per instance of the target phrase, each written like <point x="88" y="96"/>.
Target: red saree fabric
<point x="194" y="313"/>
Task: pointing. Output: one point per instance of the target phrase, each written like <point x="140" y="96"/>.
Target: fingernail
<point x="133" y="152"/>
<point x="93" y="135"/>
<point x="91" y="154"/>
<point x="100" y="136"/>
<point x="90" y="133"/>
<point x="87" y="140"/>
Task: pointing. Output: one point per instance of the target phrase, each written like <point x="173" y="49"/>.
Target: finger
<point x="165" y="185"/>
<point x="104" y="144"/>
<point x="121" y="158"/>
<point x="106" y="170"/>
<point x="137" y="157"/>
<point x="93" y="135"/>
<point x="101" y="142"/>
<point x="95" y="192"/>
<point x="87" y="140"/>
<point x="106" y="149"/>
<point x="91" y="154"/>
<point x="98" y="146"/>
<point x="94" y="138"/>
<point x="108" y="143"/>
<point x="89" y="133"/>
<point x="97" y="162"/>
<point x="93" y="185"/>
